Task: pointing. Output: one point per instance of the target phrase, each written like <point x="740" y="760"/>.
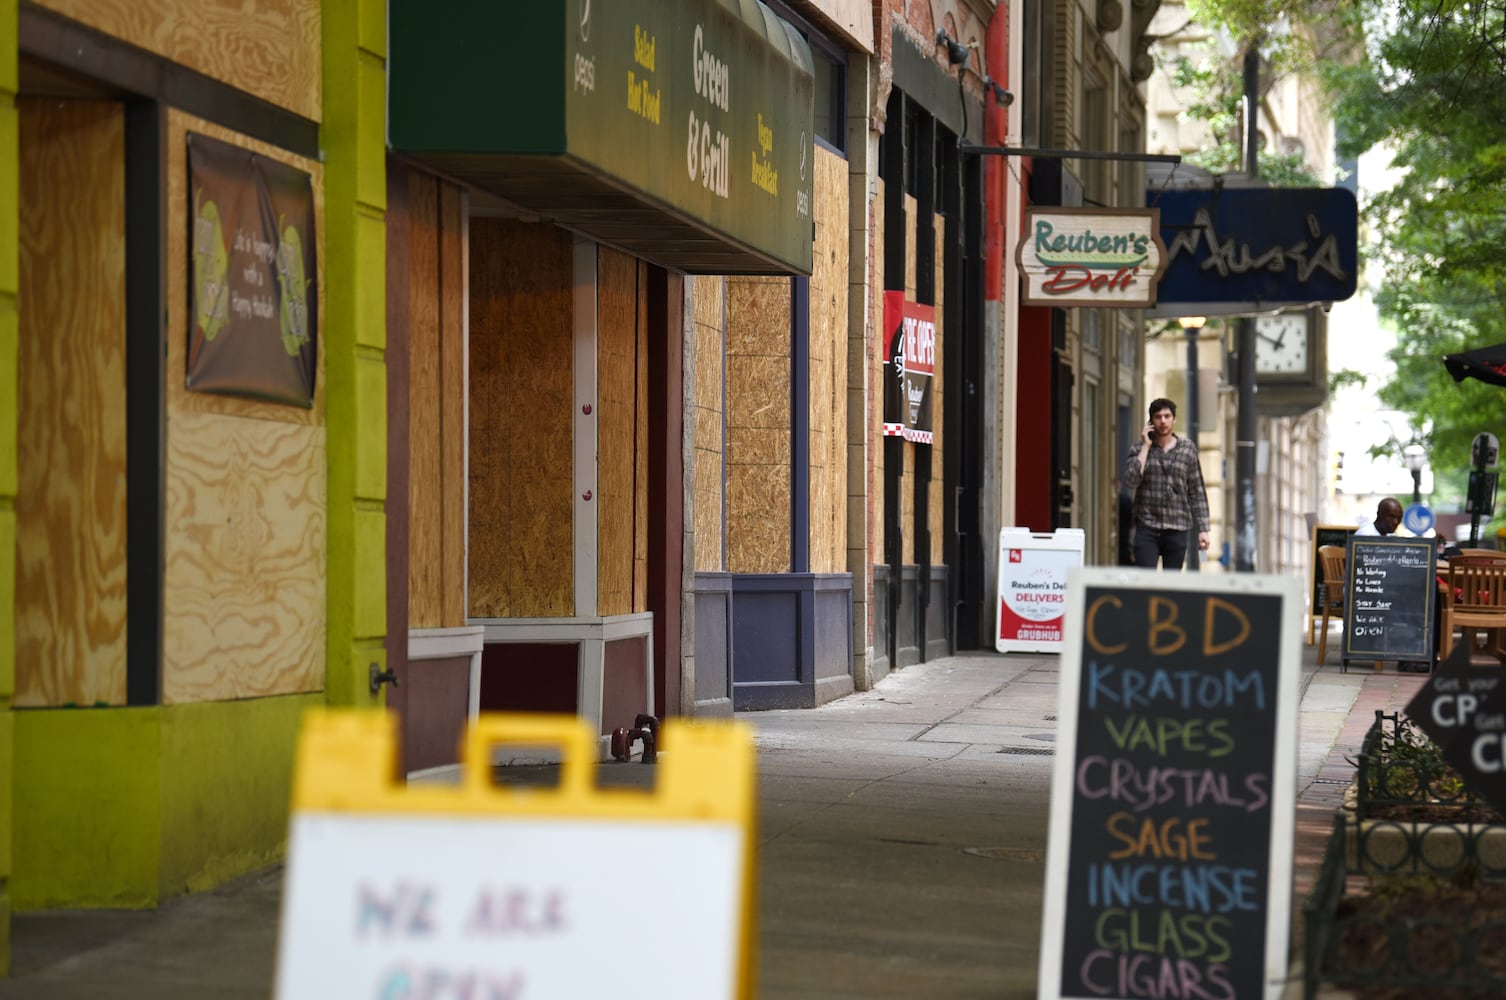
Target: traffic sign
<point x="1417" y="519"/>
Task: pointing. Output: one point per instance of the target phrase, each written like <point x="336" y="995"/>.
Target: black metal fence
<point x="1411" y="893"/>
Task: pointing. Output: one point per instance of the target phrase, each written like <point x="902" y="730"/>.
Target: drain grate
<point x="1027" y="751"/>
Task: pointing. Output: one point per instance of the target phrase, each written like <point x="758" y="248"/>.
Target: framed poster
<point x="253" y="288"/>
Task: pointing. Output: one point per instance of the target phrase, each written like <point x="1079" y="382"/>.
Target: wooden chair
<point x="1474" y="598"/>
<point x="1331" y="559"/>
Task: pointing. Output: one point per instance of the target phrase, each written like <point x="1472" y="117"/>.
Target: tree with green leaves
<point x="1432" y="88"/>
<point x="1428" y="82"/>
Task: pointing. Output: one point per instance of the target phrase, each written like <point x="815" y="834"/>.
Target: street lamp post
<point x="1191" y="325"/>
<point x="1414" y="458"/>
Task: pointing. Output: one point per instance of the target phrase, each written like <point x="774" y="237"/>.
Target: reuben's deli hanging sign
<point x="254" y="294"/>
<point x="909" y="352"/>
<point x="1103" y="257"/>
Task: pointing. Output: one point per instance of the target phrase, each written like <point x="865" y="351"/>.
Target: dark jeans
<point x="1159" y="544"/>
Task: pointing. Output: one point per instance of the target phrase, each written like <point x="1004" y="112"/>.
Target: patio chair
<point x="1474" y="598"/>
<point x="1331" y="560"/>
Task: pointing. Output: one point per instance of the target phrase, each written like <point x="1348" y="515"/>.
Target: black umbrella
<point x="1488" y="364"/>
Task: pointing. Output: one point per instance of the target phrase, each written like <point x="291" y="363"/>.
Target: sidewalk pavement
<point x="863" y="802"/>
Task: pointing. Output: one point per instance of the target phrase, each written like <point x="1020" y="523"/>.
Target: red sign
<point x="909" y="352"/>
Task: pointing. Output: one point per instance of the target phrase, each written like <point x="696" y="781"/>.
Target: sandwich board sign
<point x="1032" y="587"/>
<point x="516" y="893"/>
<point x="1169" y="861"/>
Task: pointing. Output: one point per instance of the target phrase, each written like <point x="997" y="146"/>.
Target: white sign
<point x="448" y="907"/>
<point x="1484" y="450"/>
<point x="1033" y="587"/>
<point x="1101" y="257"/>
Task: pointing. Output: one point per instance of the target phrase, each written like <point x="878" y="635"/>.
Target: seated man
<point x="1387" y="520"/>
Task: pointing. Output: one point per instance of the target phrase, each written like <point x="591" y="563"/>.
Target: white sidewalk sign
<point x="1033" y="587"/>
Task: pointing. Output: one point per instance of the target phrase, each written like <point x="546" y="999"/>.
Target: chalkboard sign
<point x="1391" y="587"/>
<point x="1462" y="708"/>
<point x="1169" y="866"/>
<point x="1323" y="534"/>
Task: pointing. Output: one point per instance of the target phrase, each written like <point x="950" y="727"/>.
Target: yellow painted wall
<point x="127" y="807"/>
<point x="353" y="139"/>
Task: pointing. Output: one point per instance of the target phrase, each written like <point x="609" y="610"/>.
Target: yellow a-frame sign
<point x="475" y="890"/>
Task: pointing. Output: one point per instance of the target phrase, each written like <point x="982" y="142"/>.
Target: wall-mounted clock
<point x="1282" y="348"/>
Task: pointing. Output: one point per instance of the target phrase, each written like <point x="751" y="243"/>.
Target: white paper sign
<point x="445" y="908"/>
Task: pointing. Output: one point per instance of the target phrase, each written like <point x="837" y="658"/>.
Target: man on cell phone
<point x="1167" y="479"/>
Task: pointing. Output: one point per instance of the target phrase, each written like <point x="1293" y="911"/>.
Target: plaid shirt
<point x="1169" y="493"/>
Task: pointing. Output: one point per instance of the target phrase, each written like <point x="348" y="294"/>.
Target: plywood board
<point x="640" y="489"/>
<point x="436" y="403"/>
<point x="244" y="569"/>
<point x="828" y="372"/>
<point x="758" y="399"/>
<point x="521" y="350"/>
<point x="425" y="480"/>
<point x="243" y="473"/>
<point x="616" y="436"/>
<point x="453" y="254"/>
<point x="710" y="414"/>
<point x="270" y="48"/>
<point x="70" y="587"/>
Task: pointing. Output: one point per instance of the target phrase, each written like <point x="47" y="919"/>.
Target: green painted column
<point x="353" y="136"/>
<point x="10" y="248"/>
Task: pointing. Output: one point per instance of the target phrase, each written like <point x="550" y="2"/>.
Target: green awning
<point x="682" y="133"/>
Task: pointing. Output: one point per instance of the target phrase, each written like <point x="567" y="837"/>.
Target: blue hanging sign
<point x="1262" y="246"/>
